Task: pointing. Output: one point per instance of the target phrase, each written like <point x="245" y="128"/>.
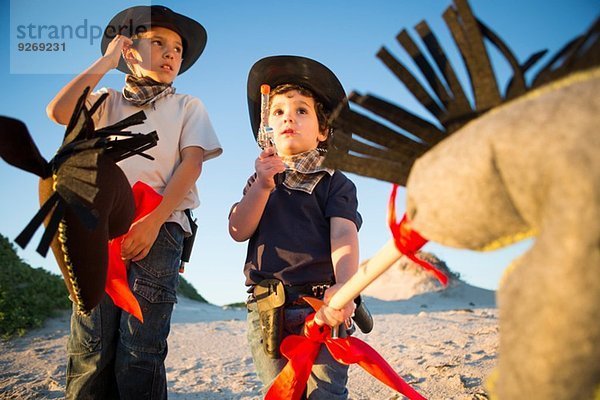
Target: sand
<point x="444" y="343"/>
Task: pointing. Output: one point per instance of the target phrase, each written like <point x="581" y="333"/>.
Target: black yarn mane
<point x="366" y="147"/>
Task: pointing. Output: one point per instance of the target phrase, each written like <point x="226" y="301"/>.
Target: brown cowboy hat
<point x="85" y="198"/>
<point x="139" y="19"/>
<point x="308" y="73"/>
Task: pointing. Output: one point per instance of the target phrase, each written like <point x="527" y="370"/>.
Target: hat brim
<point x="82" y="253"/>
<point x="308" y="73"/>
<point x="140" y="18"/>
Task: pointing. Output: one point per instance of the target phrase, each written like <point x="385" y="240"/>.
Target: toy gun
<point x="265" y="132"/>
<point x="264" y="137"/>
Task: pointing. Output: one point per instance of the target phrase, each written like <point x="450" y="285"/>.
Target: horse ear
<point x="18" y="149"/>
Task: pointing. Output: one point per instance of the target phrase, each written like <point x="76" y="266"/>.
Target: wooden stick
<point x="377" y="265"/>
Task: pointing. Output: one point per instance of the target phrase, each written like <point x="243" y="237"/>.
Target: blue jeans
<point x="110" y="354"/>
<point x="328" y="378"/>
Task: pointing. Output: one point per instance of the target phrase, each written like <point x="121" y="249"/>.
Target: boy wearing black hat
<point x="302" y="226"/>
<point x="110" y="353"/>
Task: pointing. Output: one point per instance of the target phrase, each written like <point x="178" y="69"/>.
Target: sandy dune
<point x="442" y="342"/>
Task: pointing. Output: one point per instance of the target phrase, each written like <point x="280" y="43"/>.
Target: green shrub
<point x="27" y="295"/>
<point x="241" y="304"/>
<point x="187" y="290"/>
<point x="30" y="295"/>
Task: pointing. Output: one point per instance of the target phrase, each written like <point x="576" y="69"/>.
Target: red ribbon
<point x="117" y="286"/>
<point x="301" y="352"/>
<point x="407" y="240"/>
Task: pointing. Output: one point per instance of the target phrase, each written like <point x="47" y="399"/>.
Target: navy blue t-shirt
<point x="292" y="240"/>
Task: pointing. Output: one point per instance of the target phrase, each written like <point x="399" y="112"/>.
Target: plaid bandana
<point x="144" y="90"/>
<point x="304" y="171"/>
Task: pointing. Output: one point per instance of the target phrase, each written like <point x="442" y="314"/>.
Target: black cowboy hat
<point x="86" y="200"/>
<point x="308" y="73"/>
<point x="139" y="19"/>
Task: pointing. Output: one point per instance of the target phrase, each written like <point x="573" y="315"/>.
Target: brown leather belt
<point x="294" y="294"/>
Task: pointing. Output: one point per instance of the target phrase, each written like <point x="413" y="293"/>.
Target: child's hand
<point x="330" y="316"/>
<point x="267" y="165"/>
<point x="137" y="242"/>
<point x="115" y="49"/>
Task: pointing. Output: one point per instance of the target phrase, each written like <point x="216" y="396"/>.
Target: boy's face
<point x="157" y="55"/>
<point x="295" y="124"/>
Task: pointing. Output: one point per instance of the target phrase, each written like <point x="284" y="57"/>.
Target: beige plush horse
<point x="523" y="164"/>
<point x="504" y="179"/>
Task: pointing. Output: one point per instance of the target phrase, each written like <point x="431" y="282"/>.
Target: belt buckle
<point x="319" y="290"/>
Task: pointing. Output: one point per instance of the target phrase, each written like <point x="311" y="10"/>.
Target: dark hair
<point x="322" y="113"/>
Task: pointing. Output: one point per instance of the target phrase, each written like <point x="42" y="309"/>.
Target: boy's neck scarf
<point x="143" y="90"/>
<point x="304" y="171"/>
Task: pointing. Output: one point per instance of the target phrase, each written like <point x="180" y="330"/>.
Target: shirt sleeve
<point x="342" y="200"/>
<point x="249" y="183"/>
<point x="198" y="130"/>
<point x="246" y="188"/>
<point x="93" y="97"/>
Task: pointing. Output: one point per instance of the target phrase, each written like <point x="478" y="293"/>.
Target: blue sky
<point x="344" y="35"/>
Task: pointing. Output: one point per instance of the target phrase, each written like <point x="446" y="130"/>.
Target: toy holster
<point x="362" y="316"/>
<point x="188" y="242"/>
<point x="362" y="319"/>
<point x="270" y="298"/>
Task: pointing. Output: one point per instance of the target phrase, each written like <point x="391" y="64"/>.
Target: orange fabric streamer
<point x="117" y="286"/>
<point x="301" y="351"/>
<point x="407" y="240"/>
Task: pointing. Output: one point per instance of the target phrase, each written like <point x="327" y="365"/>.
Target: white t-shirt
<point x="180" y="121"/>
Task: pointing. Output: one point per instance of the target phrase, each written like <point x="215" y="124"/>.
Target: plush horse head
<point x="86" y="200"/>
<point x="518" y="163"/>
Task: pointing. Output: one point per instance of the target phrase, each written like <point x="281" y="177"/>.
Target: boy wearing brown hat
<point x="110" y="353"/>
<point x="302" y="226"/>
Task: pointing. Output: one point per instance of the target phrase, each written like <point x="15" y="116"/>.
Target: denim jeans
<point x="328" y="378"/>
<point x="110" y="354"/>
